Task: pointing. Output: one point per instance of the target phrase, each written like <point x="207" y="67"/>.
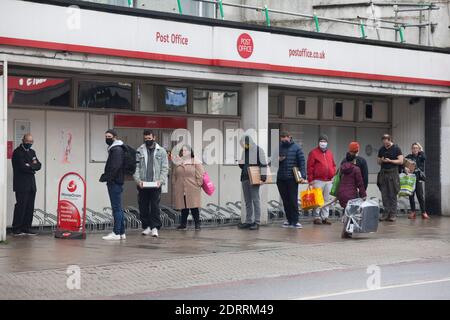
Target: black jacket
<point x="24" y="169"/>
<point x="248" y="157"/>
<point x="114" y="172"/>
<point x="420" y="164"/>
<point x="293" y="157"/>
<point x="362" y="164"/>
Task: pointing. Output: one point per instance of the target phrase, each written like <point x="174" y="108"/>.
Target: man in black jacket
<point x="360" y="162"/>
<point x="291" y="155"/>
<point x="114" y="178"/>
<point x="25" y="164"/>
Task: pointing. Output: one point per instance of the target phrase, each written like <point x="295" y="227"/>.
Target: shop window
<point x="38" y="91"/>
<point x="301" y="107"/>
<point x="368" y="111"/>
<point x="338" y="109"/>
<point x="215" y="102"/>
<point x="171" y="99"/>
<point x="274" y="108"/>
<point x="106" y="95"/>
<point x="146" y="97"/>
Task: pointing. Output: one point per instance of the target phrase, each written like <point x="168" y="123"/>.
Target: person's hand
<point x="263" y="178"/>
<point x="310" y="183"/>
<point x="158" y="184"/>
<point x="386" y="160"/>
<point x="141" y="185"/>
<point x="281" y="158"/>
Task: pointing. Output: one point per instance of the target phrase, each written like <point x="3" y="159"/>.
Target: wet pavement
<point x="220" y="257"/>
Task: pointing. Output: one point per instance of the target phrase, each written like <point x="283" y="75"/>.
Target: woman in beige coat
<point x="187" y="180"/>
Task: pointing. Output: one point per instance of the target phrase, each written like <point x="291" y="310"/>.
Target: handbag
<point x="336" y="183"/>
<point x="207" y="185"/>
<point x="312" y="198"/>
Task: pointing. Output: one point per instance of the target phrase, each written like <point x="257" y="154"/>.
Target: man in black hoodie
<point x="25" y="164"/>
<point x="114" y="178"/>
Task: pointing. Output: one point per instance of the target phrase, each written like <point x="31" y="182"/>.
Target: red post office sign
<point x="71" y="207"/>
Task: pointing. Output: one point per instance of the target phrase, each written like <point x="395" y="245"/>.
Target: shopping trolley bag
<point x="361" y="216"/>
<point x="407" y="184"/>
<point x="312" y="198"/>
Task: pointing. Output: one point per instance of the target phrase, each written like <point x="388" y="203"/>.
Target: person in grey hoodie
<point x="152" y="166"/>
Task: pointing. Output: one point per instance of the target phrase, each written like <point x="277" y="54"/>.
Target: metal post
<point x="221" y="9"/>
<point x="316" y="22"/>
<point x="363" y="32"/>
<point x="266" y="11"/>
<point x="400" y="31"/>
<point x="180" y="8"/>
<point x="3" y="148"/>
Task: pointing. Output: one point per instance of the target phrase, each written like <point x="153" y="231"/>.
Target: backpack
<point x="129" y="161"/>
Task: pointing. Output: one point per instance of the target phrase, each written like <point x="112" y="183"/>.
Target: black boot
<point x="196" y="215"/>
<point x="184" y="217"/>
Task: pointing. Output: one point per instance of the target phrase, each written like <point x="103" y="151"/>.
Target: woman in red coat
<point x="352" y="183"/>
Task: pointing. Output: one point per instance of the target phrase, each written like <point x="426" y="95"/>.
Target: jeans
<point x="289" y="194"/>
<point x="323" y="213"/>
<point x="252" y="202"/>
<point x="115" y="195"/>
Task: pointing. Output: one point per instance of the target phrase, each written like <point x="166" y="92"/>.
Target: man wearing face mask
<point x="291" y="155"/>
<point x="321" y="170"/>
<point x="25" y="164"/>
<point x="114" y="177"/>
<point x="152" y="166"/>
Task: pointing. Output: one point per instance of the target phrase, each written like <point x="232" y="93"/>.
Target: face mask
<point x="323" y="145"/>
<point x="27" y="145"/>
<point x="149" y="143"/>
<point x="285" y="143"/>
<point x="109" y="141"/>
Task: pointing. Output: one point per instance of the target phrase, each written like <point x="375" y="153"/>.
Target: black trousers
<point x="23" y="211"/>
<point x="195" y="213"/>
<point x="420" y="196"/>
<point x="149" y="207"/>
<point x="289" y="194"/>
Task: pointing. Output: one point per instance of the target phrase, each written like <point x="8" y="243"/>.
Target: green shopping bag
<point x="336" y="182"/>
<point x="407" y="185"/>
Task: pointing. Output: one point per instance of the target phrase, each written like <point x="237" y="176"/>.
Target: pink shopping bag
<point x="207" y="185"/>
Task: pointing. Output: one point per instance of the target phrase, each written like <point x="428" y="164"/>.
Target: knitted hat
<point x="353" y="147"/>
<point x="323" y="137"/>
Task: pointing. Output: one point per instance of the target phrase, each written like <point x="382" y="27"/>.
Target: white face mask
<point x="323" y="145"/>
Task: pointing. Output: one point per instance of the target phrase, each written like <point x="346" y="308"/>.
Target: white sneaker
<point x="298" y="225"/>
<point x="286" y="224"/>
<point x="155" y="233"/>
<point x="112" y="236"/>
<point x="146" y="232"/>
<point x="123" y="237"/>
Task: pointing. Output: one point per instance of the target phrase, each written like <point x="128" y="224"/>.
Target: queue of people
<point x="152" y="169"/>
